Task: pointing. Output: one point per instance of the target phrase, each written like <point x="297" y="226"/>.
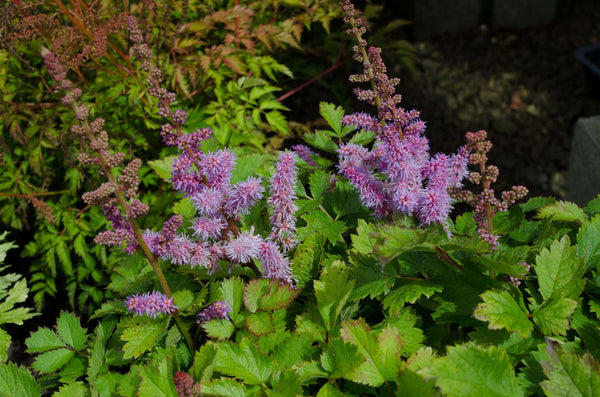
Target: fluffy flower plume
<point x="151" y="304"/>
<point x="397" y="174"/>
<point x="281" y="201"/>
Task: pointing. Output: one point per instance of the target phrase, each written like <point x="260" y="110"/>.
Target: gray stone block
<point x="520" y="14"/>
<point x="436" y="17"/>
<point x="583" y="180"/>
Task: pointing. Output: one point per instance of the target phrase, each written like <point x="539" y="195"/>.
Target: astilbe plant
<point x="398" y="175"/>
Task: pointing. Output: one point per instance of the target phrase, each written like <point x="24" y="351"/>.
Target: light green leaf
<point x="321" y="141"/>
<point x="224" y="387"/>
<point x="107" y="383"/>
<point x="204" y="361"/>
<point x="318" y="221"/>
<point x="17" y="381"/>
<point x="277" y="121"/>
<point x="363" y="241"/>
<point x="162" y="167"/>
<point x="410" y="293"/>
<point x="232" y="290"/>
<point x="332" y="291"/>
<point x="219" y="329"/>
<point x="157" y="381"/>
<point x="319" y="183"/>
<point x="569" y="374"/>
<point x="560" y="271"/>
<point x="254" y="290"/>
<point x="278" y="297"/>
<point x="182" y="299"/>
<point x="97" y="361"/>
<point x="563" y="211"/>
<point x="51" y="361"/>
<point x="259" y="323"/>
<point x="294" y="350"/>
<point x="141" y="338"/>
<point x="5" y="341"/>
<point x="285" y="383"/>
<point x="185" y="208"/>
<point x="358" y="333"/>
<point x="328" y="390"/>
<point x="588" y="242"/>
<point x="70" y="330"/>
<point x="471" y="370"/>
<point x="553" y="317"/>
<point x="333" y="114"/>
<point x="244" y="361"/>
<point x="341" y="358"/>
<point x="501" y="311"/>
<point x="42" y="340"/>
<point x="71" y="389"/>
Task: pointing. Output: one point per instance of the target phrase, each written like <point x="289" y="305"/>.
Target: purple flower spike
<point x="215" y="311"/>
<point x="275" y="265"/>
<point x="151" y="304"/>
<point x="282" y="198"/>
<point x="208" y="201"/>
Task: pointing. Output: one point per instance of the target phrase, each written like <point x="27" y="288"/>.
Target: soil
<point x="525" y="88"/>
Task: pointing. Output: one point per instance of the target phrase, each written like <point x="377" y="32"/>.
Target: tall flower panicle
<point x="281" y="201"/>
<point x="485" y="203"/>
<point x="398" y="174"/>
<point x="275" y="265"/>
<point x="151" y="304"/>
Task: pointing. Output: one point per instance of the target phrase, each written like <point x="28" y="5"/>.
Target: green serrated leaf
<point x="277" y="121"/>
<point x="410" y="293"/>
<point x="552" y="317"/>
<point x="333" y="115"/>
<point x="259" y="323"/>
<point x="162" y="167"/>
<point x="157" y="381"/>
<point x="70" y="330"/>
<point x="97" y="360"/>
<point x="224" y="387"/>
<point x="563" y="211"/>
<point x="232" y="290"/>
<point x="362" y="138"/>
<point x="320" y="222"/>
<point x="141" y="338"/>
<point x="319" y="182"/>
<point x="569" y="374"/>
<point x="204" y="362"/>
<point x="285" y="383"/>
<point x="471" y="370"/>
<point x="278" y="296"/>
<point x="185" y="208"/>
<point x="71" y="389"/>
<point x="253" y="291"/>
<point x="501" y="311"/>
<point x="322" y="141"/>
<point x="244" y="361"/>
<point x="588" y="242"/>
<point x="363" y="241"/>
<point x="328" y="390"/>
<point x="219" y="329"/>
<point x="560" y="271"/>
<point x="52" y="360"/>
<point x="340" y="358"/>
<point x="42" y="340"/>
<point x="5" y="341"/>
<point x="332" y="291"/>
<point x="17" y="381"/>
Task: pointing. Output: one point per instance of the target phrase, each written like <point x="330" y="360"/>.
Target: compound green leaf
<point x="204" y="362"/>
<point x="70" y="330"/>
<point x="17" y="381"/>
<point x="42" y="340"/>
<point x="224" y="387"/>
<point x="332" y="291"/>
<point x="319" y="182"/>
<point x="563" y="211"/>
<point x="254" y="290"/>
<point x="244" y="361"/>
<point x="71" y="389"/>
<point x="219" y="329"/>
<point x="553" y="316"/>
<point x="560" y="271"/>
<point x="471" y="370"/>
<point x="259" y="324"/>
<point x="278" y="296"/>
<point x="501" y="310"/>
<point x="162" y="167"/>
<point x="340" y="358"/>
<point x="141" y="338"/>
<point x="232" y="290"/>
<point x="320" y="222"/>
<point x="53" y="360"/>
<point x="333" y="114"/>
<point x="588" y="242"/>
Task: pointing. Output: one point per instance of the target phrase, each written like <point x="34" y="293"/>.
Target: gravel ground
<point x="525" y="88"/>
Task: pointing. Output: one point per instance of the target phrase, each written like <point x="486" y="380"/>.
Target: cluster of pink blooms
<point x="151" y="304"/>
<point x="215" y="311"/>
<point x="397" y="174"/>
<point x="205" y="178"/>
